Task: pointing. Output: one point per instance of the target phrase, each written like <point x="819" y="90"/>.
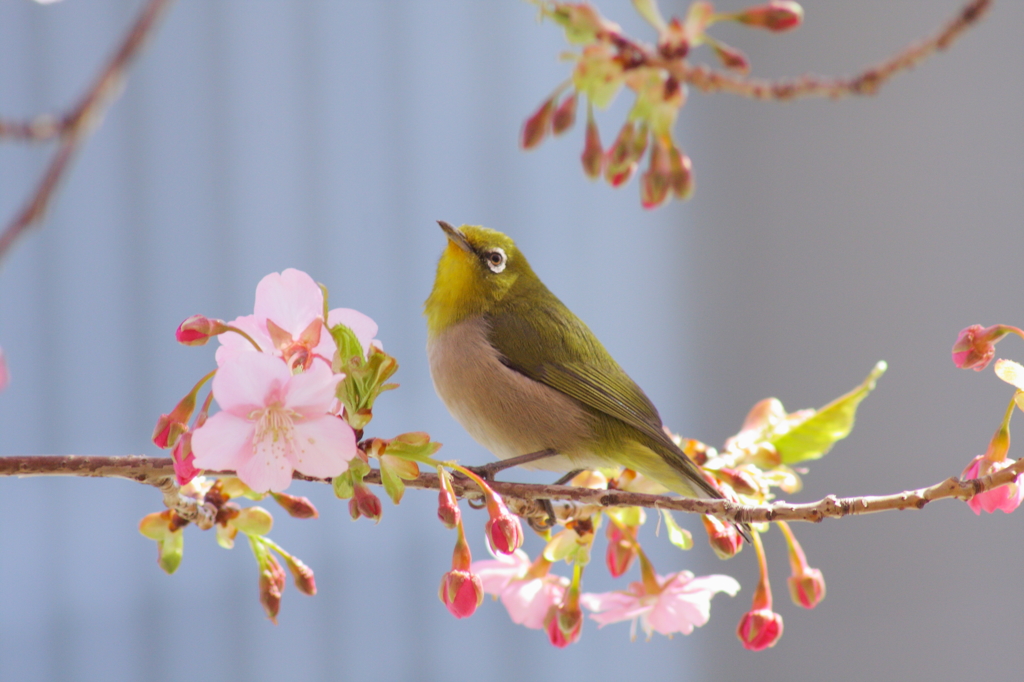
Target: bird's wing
<point x="574" y="362"/>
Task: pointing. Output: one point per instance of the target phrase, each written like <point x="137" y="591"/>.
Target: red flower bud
<point x="198" y="329"/>
<point x="504" y="531"/>
<point x="807" y="588"/>
<point x="537" y="126"/>
<point x="565" y="115"/>
<point x="621" y="551"/>
<point x="682" y="174"/>
<point x="302" y="575"/>
<point x="723" y="536"/>
<point x="593" y="157"/>
<point x="298" y="507"/>
<point x="182" y="457"/>
<point x="759" y="629"/>
<point x="565" y="626"/>
<point x="462" y="592"/>
<point x="775" y="16"/>
<point x="272" y="581"/>
<point x="170" y="427"/>
<point x="976" y="345"/>
<point x="365" y="503"/>
<point x="731" y="58"/>
<point x="448" y="509"/>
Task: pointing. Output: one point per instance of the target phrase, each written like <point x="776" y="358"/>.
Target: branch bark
<point x="867" y="82"/>
<point x="522" y="497"/>
<point x="74" y="127"/>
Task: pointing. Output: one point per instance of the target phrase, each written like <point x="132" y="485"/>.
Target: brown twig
<point x="75" y="126"/>
<point x="867" y="82"/>
<point x="575" y="502"/>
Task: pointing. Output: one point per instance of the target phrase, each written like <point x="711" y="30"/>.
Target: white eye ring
<point x="496" y="259"/>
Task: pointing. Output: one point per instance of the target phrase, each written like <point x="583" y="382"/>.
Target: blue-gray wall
<point x="329" y="136"/>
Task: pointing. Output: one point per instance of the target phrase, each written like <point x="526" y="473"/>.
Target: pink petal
<point x="363" y="326"/>
<point x="291" y="299"/>
<point x="247" y="381"/>
<point x="311" y="393"/>
<point x="267" y="469"/>
<point x="231" y="343"/>
<point x="529" y="601"/>
<point x="224" y="442"/>
<point x="322" y="447"/>
<point x="496" y="574"/>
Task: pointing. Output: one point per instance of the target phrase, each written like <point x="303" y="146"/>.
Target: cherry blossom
<point x="1006" y="497"/>
<point x="288" y="321"/>
<point x="273" y="422"/>
<point x="528" y="599"/>
<point x="681" y="603"/>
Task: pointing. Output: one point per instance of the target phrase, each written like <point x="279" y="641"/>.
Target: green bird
<point x="522" y="374"/>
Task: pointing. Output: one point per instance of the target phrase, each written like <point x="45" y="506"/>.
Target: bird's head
<point x="479" y="269"/>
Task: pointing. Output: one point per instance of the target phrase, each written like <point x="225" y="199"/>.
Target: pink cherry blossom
<point x="287" y="321"/>
<point x="1006" y="497"/>
<point x="528" y="600"/>
<point x="683" y="602"/>
<point x="273" y="422"/>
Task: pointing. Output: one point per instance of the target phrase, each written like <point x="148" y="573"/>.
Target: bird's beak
<point x="455" y="236"/>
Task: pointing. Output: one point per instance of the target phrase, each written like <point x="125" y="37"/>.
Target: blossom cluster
<point x="295" y="384"/>
<point x="608" y="61"/>
<point x="975" y="348"/>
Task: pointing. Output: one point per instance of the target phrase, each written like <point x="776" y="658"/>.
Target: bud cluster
<point x="608" y="61"/>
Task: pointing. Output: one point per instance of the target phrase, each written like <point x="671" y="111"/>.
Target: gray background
<point x="329" y="136"/>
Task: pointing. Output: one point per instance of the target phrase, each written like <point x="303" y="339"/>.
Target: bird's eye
<point x="496" y="259"/>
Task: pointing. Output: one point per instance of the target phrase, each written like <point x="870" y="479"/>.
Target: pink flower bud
<point x="448" y="509"/>
<point x="170" y="427"/>
<point x="621" y="551"/>
<point x="774" y="16"/>
<point x="682" y="174"/>
<point x="723" y="536"/>
<point x="198" y="329"/>
<point x="272" y="581"/>
<point x="537" y="126"/>
<point x="731" y="58"/>
<point x="738" y="480"/>
<point x="807" y="588"/>
<point x="1006" y="497"/>
<point x="593" y="157"/>
<point x="365" y="503"/>
<point x="620" y="155"/>
<point x="302" y="576"/>
<point x="462" y="592"/>
<point x="656" y="182"/>
<point x="565" y="115"/>
<point x="504" y="531"/>
<point x="183" y="459"/>
<point x="759" y="629"/>
<point x="565" y="626"/>
<point x="976" y="345"/>
<point x="297" y="507"/>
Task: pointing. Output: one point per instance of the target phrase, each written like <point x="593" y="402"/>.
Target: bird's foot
<point x="489" y="471"/>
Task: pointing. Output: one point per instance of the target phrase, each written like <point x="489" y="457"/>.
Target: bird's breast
<point x="507" y="412"/>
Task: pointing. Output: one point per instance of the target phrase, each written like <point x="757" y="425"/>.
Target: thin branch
<point x="865" y="83"/>
<point x="523" y="497"/>
<point x="73" y="128"/>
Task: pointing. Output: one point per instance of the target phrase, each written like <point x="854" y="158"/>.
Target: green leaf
<point x="815" y="435"/>
<point x="680" y="537"/>
<point x="343" y="487"/>
<point x="348" y="347"/>
<point x="393" y="484"/>
<point x="415" y="446"/>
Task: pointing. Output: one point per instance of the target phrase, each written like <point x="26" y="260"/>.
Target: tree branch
<point x="867" y="82"/>
<point x="522" y="497"/>
<point x="76" y="125"/>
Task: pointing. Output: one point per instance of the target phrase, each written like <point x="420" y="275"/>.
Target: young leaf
<point x="815" y="435"/>
<point x="680" y="537"/>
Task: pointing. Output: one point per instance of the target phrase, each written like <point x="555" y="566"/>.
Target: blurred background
<point x="329" y="136"/>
